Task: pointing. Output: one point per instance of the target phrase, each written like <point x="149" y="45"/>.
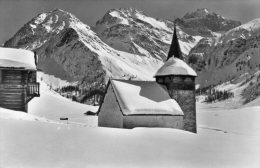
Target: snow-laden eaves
<point x="17" y="58"/>
<point x="175" y="66"/>
<point x="144" y="98"/>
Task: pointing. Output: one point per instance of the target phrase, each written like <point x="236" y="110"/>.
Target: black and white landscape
<point x="76" y="59"/>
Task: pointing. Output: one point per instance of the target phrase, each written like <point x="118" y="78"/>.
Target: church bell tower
<point x="179" y="79"/>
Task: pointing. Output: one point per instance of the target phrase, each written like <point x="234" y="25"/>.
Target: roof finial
<point x="175" y="50"/>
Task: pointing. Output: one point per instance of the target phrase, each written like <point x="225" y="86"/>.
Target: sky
<point x="15" y="13"/>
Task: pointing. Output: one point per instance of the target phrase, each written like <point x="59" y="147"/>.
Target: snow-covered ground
<point x="236" y="86"/>
<point x="53" y="106"/>
<point x="226" y="138"/>
<point x="52" y="81"/>
<point x="242" y="121"/>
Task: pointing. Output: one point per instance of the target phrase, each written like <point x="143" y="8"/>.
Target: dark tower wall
<point x="182" y="89"/>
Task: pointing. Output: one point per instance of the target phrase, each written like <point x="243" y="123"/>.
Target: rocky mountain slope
<point x="135" y="32"/>
<point x="70" y="50"/>
<point x="126" y="43"/>
<point x="231" y="55"/>
<point x="204" y="22"/>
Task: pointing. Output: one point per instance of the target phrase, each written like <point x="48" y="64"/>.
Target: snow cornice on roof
<point x="175" y="66"/>
<point x="144" y="98"/>
<point x="17" y="59"/>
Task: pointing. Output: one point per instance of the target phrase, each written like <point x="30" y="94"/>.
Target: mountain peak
<point x="206" y="21"/>
<point x="203" y="10"/>
<point x="46" y="26"/>
<point x="122" y="16"/>
<point x="200" y="13"/>
<point x="59" y="10"/>
<point x="123" y="13"/>
<point x="52" y="16"/>
<point x="128" y="11"/>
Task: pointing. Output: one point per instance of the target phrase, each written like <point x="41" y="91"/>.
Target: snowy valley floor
<point x="226" y="138"/>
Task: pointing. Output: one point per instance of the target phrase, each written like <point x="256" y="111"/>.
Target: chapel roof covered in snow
<point x="175" y="66"/>
<point x="17" y="58"/>
<point x="144" y="98"/>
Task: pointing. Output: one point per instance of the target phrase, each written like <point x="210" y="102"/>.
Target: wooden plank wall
<point x="13" y="77"/>
<point x="33" y="77"/>
<point x="0" y="76"/>
<point x="12" y="90"/>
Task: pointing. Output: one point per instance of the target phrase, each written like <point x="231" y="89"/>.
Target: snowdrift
<point x="226" y="138"/>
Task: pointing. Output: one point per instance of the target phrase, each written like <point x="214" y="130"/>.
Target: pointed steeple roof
<point x="175" y="50"/>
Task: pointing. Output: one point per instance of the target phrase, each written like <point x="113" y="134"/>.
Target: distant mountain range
<point x="127" y="43"/>
<point x="229" y="56"/>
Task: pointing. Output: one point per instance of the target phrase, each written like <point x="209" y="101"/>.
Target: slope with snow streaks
<point x="236" y="52"/>
<point x="211" y="26"/>
<point x="70" y="50"/>
<point x="206" y="23"/>
<point x="127" y="44"/>
<point x="130" y="30"/>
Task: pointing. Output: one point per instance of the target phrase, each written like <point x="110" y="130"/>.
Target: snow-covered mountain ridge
<point x="230" y="55"/>
<point x="125" y="43"/>
<point x="206" y="23"/>
<point x="133" y="31"/>
<point x="70" y="50"/>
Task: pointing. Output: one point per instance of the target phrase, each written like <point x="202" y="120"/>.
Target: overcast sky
<point x="15" y="13"/>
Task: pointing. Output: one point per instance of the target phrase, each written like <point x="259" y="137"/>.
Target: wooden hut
<point x="18" y="83"/>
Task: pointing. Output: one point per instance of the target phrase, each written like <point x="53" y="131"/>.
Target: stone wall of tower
<point x="182" y="89"/>
<point x="187" y="102"/>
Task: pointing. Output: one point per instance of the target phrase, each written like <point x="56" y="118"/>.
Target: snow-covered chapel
<point x="167" y="102"/>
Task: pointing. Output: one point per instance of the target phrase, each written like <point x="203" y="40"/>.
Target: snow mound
<point x="53" y="106"/>
<point x="226" y="138"/>
<point x="52" y="145"/>
<point x="242" y="121"/>
<point x="175" y="66"/>
<point x="18" y="58"/>
<point x="143" y="97"/>
<point x="19" y="115"/>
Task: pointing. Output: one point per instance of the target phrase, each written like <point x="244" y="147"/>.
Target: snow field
<point x="50" y="145"/>
<point x="226" y="138"/>
<point x="53" y="106"/>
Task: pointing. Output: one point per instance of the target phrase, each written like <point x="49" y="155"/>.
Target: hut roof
<point x="144" y="98"/>
<point x="17" y="58"/>
<point x="175" y="66"/>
